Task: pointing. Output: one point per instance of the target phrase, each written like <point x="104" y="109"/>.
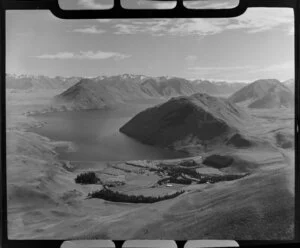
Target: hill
<point x="290" y="84"/>
<point x="101" y="92"/>
<point x="265" y="93"/>
<point x="166" y="87"/>
<point x="188" y="120"/>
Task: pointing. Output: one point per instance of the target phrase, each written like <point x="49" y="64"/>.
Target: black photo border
<point x="118" y="12"/>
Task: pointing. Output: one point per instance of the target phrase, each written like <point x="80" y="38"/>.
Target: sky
<point x="258" y="44"/>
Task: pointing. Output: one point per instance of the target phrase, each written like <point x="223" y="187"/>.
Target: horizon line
<point x="167" y="76"/>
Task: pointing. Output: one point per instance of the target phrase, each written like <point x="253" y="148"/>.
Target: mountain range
<point x="219" y="87"/>
<point x="107" y="91"/>
<point x="29" y="82"/>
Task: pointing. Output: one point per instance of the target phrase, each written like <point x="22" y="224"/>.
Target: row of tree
<point x="109" y="195"/>
<point x="185" y="181"/>
<point x="87" y="178"/>
<point x="215" y="179"/>
<point x="179" y="175"/>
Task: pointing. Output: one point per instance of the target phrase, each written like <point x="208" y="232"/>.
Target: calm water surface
<point x="96" y="136"/>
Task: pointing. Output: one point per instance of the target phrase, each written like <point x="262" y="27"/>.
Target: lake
<point x="96" y="136"/>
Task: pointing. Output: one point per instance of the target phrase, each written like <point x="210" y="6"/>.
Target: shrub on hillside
<point x="218" y="161"/>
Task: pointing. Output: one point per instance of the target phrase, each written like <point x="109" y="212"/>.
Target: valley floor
<point x="44" y="202"/>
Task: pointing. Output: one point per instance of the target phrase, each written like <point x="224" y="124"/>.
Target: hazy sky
<point x="258" y="44"/>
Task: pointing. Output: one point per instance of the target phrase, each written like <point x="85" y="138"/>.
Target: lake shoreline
<point x="95" y="135"/>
